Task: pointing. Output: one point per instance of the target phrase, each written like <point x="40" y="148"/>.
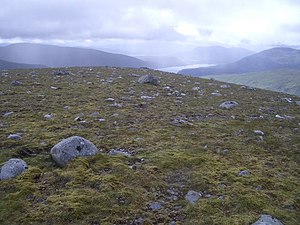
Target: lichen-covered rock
<point x="70" y="148"/>
<point x="148" y="79"/>
<point x="229" y="104"/>
<point x="12" y="168"/>
<point x="267" y="220"/>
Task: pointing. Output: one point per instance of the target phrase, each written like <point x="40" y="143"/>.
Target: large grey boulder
<point x="267" y="220"/>
<point x="148" y="79"/>
<point x="12" y="168"/>
<point x="229" y="104"/>
<point x="70" y="148"/>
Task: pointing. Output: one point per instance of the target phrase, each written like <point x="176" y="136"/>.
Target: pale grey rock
<point x="110" y="99"/>
<point x="244" y="173"/>
<point x="8" y="114"/>
<point x="267" y="220"/>
<point x="148" y="79"/>
<point x="225" y="86"/>
<point x="48" y="116"/>
<point x="67" y="107"/>
<point x="12" y="168"/>
<point x="14" y="136"/>
<point x="154" y="206"/>
<point x="193" y="196"/>
<point x="196" y="89"/>
<point x="289" y="100"/>
<point x="70" y="148"/>
<point x="16" y="83"/>
<point x="229" y="105"/>
<point x="216" y="94"/>
<point x="259" y="132"/>
<point x="119" y="151"/>
<point x="61" y="72"/>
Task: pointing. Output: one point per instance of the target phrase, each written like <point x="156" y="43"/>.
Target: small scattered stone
<point x="16" y="83"/>
<point x="54" y="88"/>
<point x="148" y="79"/>
<point x="259" y="188"/>
<point x="146" y="97"/>
<point x="179" y="122"/>
<point x="244" y="173"/>
<point x="267" y="220"/>
<point x="289" y="100"/>
<point x="101" y="120"/>
<point x="14" y="136"/>
<point x="78" y="118"/>
<point x="297" y="102"/>
<point x="224" y="86"/>
<point x="196" y="89"/>
<point x="70" y="148"/>
<point x="48" y="116"/>
<point x="8" y="114"/>
<point x="12" y="168"/>
<point x="67" y="107"/>
<point x="116" y="105"/>
<point x="229" y="105"/>
<point x="259" y="132"/>
<point x="110" y="99"/>
<point x="216" y="94"/>
<point x="61" y="72"/>
<point x="120" y="151"/>
<point x="193" y="196"/>
<point x="260" y="139"/>
<point x="154" y="206"/>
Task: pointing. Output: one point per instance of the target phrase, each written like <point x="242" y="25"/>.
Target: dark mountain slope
<point x="5" y="65"/>
<point x="55" y="56"/>
<point x="272" y="59"/>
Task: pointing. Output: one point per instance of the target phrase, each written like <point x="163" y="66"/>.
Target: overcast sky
<point x="149" y="26"/>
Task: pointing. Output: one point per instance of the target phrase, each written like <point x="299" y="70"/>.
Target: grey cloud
<point x="145" y="20"/>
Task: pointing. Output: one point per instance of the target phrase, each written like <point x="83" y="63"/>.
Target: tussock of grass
<point x="106" y="189"/>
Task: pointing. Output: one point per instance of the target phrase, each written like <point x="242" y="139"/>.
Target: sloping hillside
<point x="272" y="59"/>
<point x="5" y="65"/>
<point x="54" y="56"/>
<point x="287" y="81"/>
<point x="168" y="153"/>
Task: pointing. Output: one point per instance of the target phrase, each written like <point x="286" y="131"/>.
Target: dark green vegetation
<point x="287" y="81"/>
<point x="11" y="65"/>
<point x="271" y="59"/>
<point x="108" y="189"/>
<point x="55" y="56"/>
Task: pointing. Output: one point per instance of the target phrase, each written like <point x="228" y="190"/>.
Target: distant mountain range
<point x="272" y="59"/>
<point x="55" y="56"/>
<point x="5" y="65"/>
<point x="213" y="55"/>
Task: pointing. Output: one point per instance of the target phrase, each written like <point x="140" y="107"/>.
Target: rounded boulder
<point x="229" y="105"/>
<point x="70" y="148"/>
<point x="12" y="168"/>
<point x="148" y="79"/>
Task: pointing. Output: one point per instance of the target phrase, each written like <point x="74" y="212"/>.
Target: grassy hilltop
<point x="179" y="140"/>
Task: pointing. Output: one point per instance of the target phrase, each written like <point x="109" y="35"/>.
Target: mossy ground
<point x="106" y="189"/>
